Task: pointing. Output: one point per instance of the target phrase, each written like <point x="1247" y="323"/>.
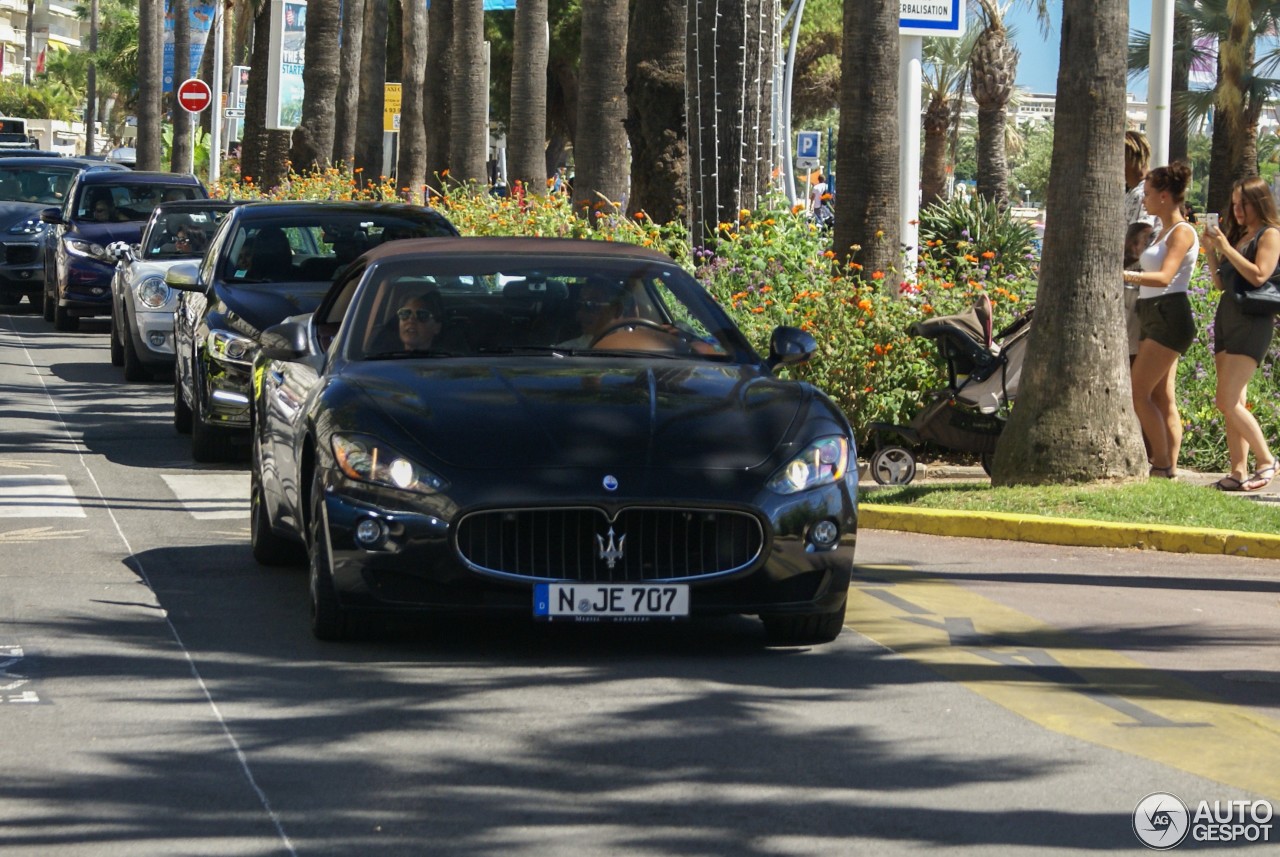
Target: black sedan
<point x="267" y="261"/>
<point x="568" y="430"/>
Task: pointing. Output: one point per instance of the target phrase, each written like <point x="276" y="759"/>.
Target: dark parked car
<point x="142" y="304"/>
<point x="102" y="207"/>
<point x="28" y="185"/>
<point x="567" y="430"/>
<point x="268" y="261"/>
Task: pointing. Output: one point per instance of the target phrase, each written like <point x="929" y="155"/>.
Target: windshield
<point x="181" y="234"/>
<point x="484" y="306"/>
<point x="35" y="184"/>
<point x="126" y="203"/>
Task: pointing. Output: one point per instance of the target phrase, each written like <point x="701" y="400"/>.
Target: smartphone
<point x="1211" y="221"/>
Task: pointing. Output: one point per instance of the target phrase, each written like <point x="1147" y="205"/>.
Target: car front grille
<point x="17" y="254"/>
<point x="583" y="544"/>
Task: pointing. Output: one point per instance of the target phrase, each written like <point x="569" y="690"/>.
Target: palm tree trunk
<point x="933" y="167"/>
<point x="866" y="200"/>
<point x="600" y="156"/>
<point x="265" y="156"/>
<point x="527" y="136"/>
<point x="1074" y="418"/>
<point x="313" y="138"/>
<point x="656" y="124"/>
<point x="994" y="64"/>
<point x="180" y="155"/>
<point x="347" y="106"/>
<point x="411" y="165"/>
<point x="150" y="74"/>
<point x="373" y="80"/>
<point x="1178" y="124"/>
<point x="469" y="131"/>
<point x="437" y="88"/>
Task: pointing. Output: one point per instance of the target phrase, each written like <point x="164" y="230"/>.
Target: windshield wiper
<point x="412" y="352"/>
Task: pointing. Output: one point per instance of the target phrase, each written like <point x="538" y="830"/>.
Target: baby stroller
<point x="983" y="372"/>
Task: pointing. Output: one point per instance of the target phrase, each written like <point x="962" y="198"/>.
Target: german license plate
<point x="598" y="602"/>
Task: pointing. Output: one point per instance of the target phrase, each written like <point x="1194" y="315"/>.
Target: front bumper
<point x="21" y="267"/>
<point x="228" y="393"/>
<point x="418" y="569"/>
<point x="152" y="332"/>
<point x="87" y="290"/>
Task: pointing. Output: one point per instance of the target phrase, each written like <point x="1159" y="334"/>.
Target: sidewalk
<point x="1063" y="531"/>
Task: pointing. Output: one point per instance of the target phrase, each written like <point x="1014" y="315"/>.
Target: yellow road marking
<point x="1042" y="674"/>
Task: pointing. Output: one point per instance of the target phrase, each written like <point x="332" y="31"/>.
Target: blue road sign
<point x="807" y="143"/>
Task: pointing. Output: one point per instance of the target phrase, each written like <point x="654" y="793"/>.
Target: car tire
<point x="64" y="320"/>
<point x="329" y="621"/>
<point x="48" y="307"/>
<point x="117" y="350"/>
<point x="134" y="370"/>
<point x="268" y="547"/>
<point x="181" y="413"/>
<point x="804" y="629"/>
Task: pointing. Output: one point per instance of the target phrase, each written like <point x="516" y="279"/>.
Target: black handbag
<point x="1263" y="300"/>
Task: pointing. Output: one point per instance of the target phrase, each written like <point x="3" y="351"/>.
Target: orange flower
<point x="864" y="305"/>
<point x="877" y="275"/>
<point x="926" y="308"/>
<point x="829" y="254"/>
<point x="989" y="254"/>
<point x="969" y="257"/>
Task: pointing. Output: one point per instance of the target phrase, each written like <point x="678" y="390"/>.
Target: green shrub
<point x="970" y="226"/>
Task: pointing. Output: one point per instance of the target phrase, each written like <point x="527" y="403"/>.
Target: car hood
<point x="264" y="305"/>
<point x="106" y="233"/>
<point x="12" y="213"/>
<point x="585" y="413"/>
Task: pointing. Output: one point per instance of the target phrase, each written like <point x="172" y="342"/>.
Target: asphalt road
<point x="160" y="693"/>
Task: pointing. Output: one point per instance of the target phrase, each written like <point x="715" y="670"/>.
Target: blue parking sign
<point x="807" y="143"/>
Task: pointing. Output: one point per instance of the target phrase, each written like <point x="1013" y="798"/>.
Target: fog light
<point x="824" y="534"/>
<point x="156" y="339"/>
<point x="371" y="533"/>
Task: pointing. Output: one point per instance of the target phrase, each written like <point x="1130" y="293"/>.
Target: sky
<point x="1038" y="67"/>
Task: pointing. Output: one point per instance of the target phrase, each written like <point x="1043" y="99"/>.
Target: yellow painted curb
<point x="1068" y="531"/>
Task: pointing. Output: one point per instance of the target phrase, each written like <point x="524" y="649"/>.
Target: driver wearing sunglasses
<point x="419" y="322"/>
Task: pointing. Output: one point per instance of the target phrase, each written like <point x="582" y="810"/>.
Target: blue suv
<point x="102" y="207"/>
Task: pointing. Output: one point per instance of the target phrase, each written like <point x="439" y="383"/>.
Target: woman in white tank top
<point x="1164" y="312"/>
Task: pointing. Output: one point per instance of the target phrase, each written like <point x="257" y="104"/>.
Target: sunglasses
<point x="421" y="314"/>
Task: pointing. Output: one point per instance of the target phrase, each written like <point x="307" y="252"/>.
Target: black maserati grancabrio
<point x="568" y="430"/>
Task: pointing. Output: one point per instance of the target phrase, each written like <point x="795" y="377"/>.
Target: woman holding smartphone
<point x="1242" y="254"/>
<point x="1167" y="327"/>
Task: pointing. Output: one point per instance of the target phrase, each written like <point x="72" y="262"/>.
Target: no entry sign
<point x="194" y="95"/>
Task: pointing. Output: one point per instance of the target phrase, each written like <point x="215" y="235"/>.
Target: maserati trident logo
<point x="611" y="552"/>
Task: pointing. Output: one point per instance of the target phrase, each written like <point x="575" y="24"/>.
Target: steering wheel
<point x="628" y="322"/>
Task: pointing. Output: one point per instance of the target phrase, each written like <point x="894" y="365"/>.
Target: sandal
<point x="1229" y="483"/>
<point x="1169" y="472"/>
<point x="1261" y="478"/>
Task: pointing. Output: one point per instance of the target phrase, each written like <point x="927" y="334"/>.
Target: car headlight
<point x="369" y="460"/>
<point x="227" y="347"/>
<point x="153" y="293"/>
<point x="30" y="226"/>
<point x="80" y="247"/>
<point x="822" y="463"/>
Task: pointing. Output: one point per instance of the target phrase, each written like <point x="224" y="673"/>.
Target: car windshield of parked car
<point x="181" y="234"/>
<point x="314" y="247"/>
<point x="566" y="308"/>
<point x="126" y="202"/>
<point x="47" y="185"/>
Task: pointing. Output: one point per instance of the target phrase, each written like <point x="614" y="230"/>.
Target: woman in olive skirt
<point x="1243" y="255"/>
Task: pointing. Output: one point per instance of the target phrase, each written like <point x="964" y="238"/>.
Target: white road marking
<point x="38" y="497"/>
<point x="211" y="495"/>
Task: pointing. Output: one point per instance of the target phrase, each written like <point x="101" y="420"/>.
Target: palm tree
<point x="600" y="150"/>
<point x="411" y="165"/>
<point x="347" y="106"/>
<point x="437" y="111"/>
<point x="729" y="49"/>
<point x="469" y="131"/>
<point x="866" y="201"/>
<point x="180" y="154"/>
<point x="265" y="156"/>
<point x="655" y="122"/>
<point x="946" y="63"/>
<point x="313" y="138"/>
<point x="1074" y="420"/>
<point x="373" y="82"/>
<point x="527" y="134"/>
<point x="993" y="65"/>
<point x="150" y="76"/>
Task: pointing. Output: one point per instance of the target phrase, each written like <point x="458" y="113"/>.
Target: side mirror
<point x="184" y="277"/>
<point x="51" y="215"/>
<point x="287" y="340"/>
<point x="790" y="346"/>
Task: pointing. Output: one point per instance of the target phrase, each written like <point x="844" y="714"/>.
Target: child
<point x="1136" y="239"/>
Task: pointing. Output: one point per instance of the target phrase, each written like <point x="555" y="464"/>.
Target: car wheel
<point x="893" y="465"/>
<point x="133" y="368"/>
<point x="328" y="619"/>
<point x="48" y="306"/>
<point x="268" y="547"/>
<point x="64" y="320"/>
<point x="804" y="629"/>
<point x="117" y="350"/>
<point x="181" y="413"/>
